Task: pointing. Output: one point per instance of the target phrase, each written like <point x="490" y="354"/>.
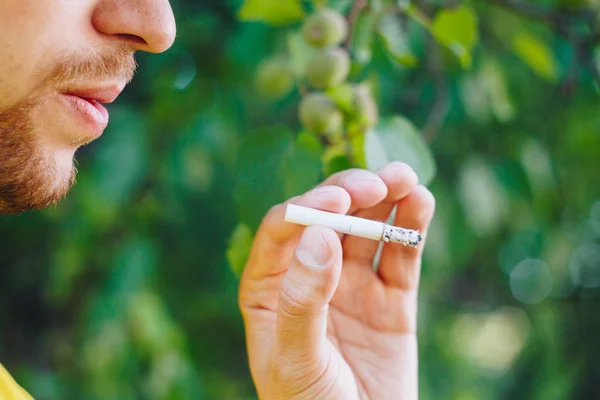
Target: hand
<point x="321" y="323"/>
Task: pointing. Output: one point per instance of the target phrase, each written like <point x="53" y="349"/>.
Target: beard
<point x="29" y="176"/>
<point x="28" y="179"/>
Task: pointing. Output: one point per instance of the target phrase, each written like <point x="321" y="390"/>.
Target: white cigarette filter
<point x="350" y="225"/>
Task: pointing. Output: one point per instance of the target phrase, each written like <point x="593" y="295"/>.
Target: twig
<point x="355" y="11"/>
<point x="302" y="89"/>
<point x="441" y="106"/>
<point x="571" y="81"/>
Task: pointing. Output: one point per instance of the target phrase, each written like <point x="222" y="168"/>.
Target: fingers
<point x="327" y="198"/>
<point x="365" y="188"/>
<point x="400" y="266"/>
<point x="305" y="292"/>
<point x="275" y="239"/>
<point x="341" y="193"/>
<point x="400" y="180"/>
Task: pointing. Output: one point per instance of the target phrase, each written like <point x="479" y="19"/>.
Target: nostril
<point x="133" y="39"/>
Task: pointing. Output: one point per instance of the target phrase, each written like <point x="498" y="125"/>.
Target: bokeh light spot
<point x="531" y="281"/>
<point x="491" y="340"/>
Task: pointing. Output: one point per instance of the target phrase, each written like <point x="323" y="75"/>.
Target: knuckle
<point x="293" y="200"/>
<point x="283" y="370"/>
<point x="272" y="223"/>
<point x="274" y="211"/>
<point x="298" y="375"/>
<point x="246" y="296"/>
<point x="293" y="301"/>
<point x="313" y="378"/>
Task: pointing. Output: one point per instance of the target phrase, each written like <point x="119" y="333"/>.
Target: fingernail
<point x="313" y="251"/>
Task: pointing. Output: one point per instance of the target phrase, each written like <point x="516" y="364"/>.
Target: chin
<point x="43" y="186"/>
<point x="64" y="160"/>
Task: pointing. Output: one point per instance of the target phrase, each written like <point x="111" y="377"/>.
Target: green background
<point x="125" y="291"/>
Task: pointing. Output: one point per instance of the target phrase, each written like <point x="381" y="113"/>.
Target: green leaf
<point x="397" y="139"/>
<point x="337" y="163"/>
<point x="500" y="101"/>
<point x="357" y="146"/>
<point x="485" y="93"/>
<point x="395" y="41"/>
<point x="536" y="54"/>
<point x="300" y="54"/>
<point x="150" y="323"/>
<point x="238" y="251"/>
<point x="273" y="12"/>
<point x="260" y="174"/>
<point x="302" y="167"/>
<point x="362" y="38"/>
<point x="457" y="29"/>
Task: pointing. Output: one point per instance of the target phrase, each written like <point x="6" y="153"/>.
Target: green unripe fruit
<point x="328" y="68"/>
<point x="325" y="28"/>
<point x="274" y="78"/>
<point x="320" y="115"/>
<point x="365" y="110"/>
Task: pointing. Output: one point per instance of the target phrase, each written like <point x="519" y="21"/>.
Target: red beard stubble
<point x="28" y="177"/>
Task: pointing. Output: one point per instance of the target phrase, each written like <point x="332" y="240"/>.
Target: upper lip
<point x="101" y="94"/>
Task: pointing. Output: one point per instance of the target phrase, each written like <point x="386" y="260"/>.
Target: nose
<point x="148" y="25"/>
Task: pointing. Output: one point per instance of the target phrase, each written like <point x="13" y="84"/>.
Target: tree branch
<point x="441" y="105"/>
<point x="355" y="11"/>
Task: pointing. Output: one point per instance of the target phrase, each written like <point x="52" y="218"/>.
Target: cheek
<point x="33" y="34"/>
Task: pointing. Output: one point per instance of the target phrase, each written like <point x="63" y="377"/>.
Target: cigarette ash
<point x="407" y="237"/>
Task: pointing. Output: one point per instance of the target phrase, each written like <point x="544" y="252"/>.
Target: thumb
<point x="305" y="293"/>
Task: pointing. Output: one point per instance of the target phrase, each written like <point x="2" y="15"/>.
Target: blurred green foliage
<point x="127" y="289"/>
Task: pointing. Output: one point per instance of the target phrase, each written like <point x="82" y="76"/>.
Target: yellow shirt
<point x="9" y="389"/>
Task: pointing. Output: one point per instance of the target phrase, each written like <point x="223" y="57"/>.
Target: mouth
<point x="86" y="107"/>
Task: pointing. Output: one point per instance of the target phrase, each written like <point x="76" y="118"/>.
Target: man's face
<point x="59" y="60"/>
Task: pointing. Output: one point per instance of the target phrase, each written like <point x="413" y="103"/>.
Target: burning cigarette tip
<point x="407" y="237"/>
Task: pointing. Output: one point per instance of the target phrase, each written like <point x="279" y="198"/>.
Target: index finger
<point x="340" y="193"/>
<point x="275" y="239"/>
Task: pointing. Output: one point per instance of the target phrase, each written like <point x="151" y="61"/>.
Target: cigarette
<point x="350" y="225"/>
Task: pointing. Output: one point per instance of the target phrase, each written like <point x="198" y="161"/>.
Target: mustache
<point x="89" y="65"/>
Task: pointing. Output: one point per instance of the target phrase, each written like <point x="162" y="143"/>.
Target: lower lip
<point x="91" y="114"/>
